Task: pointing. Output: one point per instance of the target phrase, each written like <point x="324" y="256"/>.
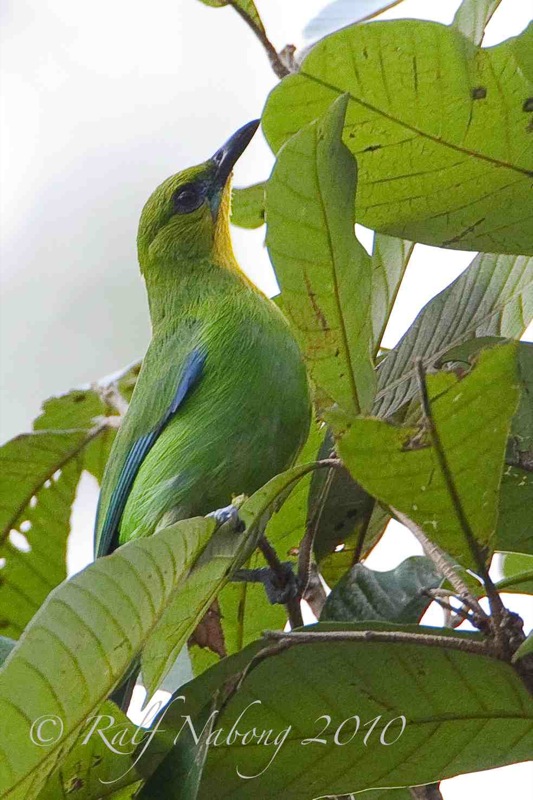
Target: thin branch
<point x="452" y="613"/>
<point x="497" y="608"/>
<point x="280" y="69"/>
<point x="440" y="559"/>
<point x="397" y="637"/>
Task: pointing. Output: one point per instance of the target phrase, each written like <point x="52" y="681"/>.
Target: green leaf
<point x="91" y="769"/>
<point x="523" y="52"/>
<point x="521" y="584"/>
<point x="493" y="297"/>
<point x="336" y="563"/>
<point x="436" y="124"/>
<point x="515" y="520"/>
<point x="179" y="775"/>
<point x="515" y="563"/>
<point x="338" y="510"/>
<point x="390" y="257"/>
<point x="323" y="271"/>
<point x="430" y="686"/>
<point x="521" y="443"/>
<point x="393" y="596"/>
<point x="399" y="466"/>
<point x="525" y="649"/>
<point x="248" y="206"/>
<point x="40" y="474"/>
<point x="226" y="552"/>
<point x="473" y="16"/>
<point x="467" y="351"/>
<point x="81" y="641"/>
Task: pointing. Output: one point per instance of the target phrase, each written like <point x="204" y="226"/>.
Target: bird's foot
<point x="281" y="585"/>
<point x="228" y="516"/>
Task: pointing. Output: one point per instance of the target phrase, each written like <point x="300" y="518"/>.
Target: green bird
<point x="221" y="404"/>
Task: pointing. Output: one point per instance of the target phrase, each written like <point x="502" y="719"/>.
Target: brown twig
<point x="398" y="637"/>
<point x="441" y="561"/>
<point x="280" y="69"/>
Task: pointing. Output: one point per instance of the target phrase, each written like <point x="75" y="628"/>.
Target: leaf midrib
<point x="418" y="131"/>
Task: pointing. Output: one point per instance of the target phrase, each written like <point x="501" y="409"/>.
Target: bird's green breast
<point x="244" y="422"/>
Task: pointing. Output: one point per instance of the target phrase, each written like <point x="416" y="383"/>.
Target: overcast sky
<point x="100" y="102"/>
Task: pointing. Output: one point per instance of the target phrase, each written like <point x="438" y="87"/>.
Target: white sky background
<point x="100" y="102"/>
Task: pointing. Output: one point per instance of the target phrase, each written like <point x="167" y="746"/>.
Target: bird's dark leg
<point x="281" y="584"/>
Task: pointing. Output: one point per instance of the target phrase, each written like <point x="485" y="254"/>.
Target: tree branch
<point x="441" y="561"/>
<point x="398" y="637"/>
<point x="280" y="69"/>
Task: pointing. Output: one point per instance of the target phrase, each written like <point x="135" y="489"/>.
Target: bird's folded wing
<point x="107" y="540"/>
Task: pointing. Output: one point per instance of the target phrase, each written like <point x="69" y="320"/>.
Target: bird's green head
<point x="187" y="217"/>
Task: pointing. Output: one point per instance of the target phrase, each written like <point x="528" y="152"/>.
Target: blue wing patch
<point x="108" y="540"/>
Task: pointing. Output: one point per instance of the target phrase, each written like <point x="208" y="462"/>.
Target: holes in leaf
<point x="33" y="501"/>
<point x="25" y="526"/>
<point x="19" y="541"/>
<point x="2" y="563"/>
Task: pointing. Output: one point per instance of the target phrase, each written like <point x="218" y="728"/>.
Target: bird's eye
<point x="188" y="198"/>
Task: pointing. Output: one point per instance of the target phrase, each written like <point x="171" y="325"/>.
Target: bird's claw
<point x="228" y="516"/>
<point x="279" y="588"/>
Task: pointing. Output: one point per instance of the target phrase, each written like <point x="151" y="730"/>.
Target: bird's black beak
<point x="228" y="155"/>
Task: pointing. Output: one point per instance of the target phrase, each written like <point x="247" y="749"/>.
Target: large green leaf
<point x="79" y="644"/>
<point x="100" y="763"/>
<point x="323" y="271"/>
<point x="437" y="126"/>
<point x="399" y="466"/>
<point x="450" y="728"/>
<point x="225" y="553"/>
<point x="40" y="473"/>
<point x="493" y="297"/>
<point x="180" y="774"/>
<point x="518" y="573"/>
<point x="473" y="16"/>
<point x="394" y="596"/>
